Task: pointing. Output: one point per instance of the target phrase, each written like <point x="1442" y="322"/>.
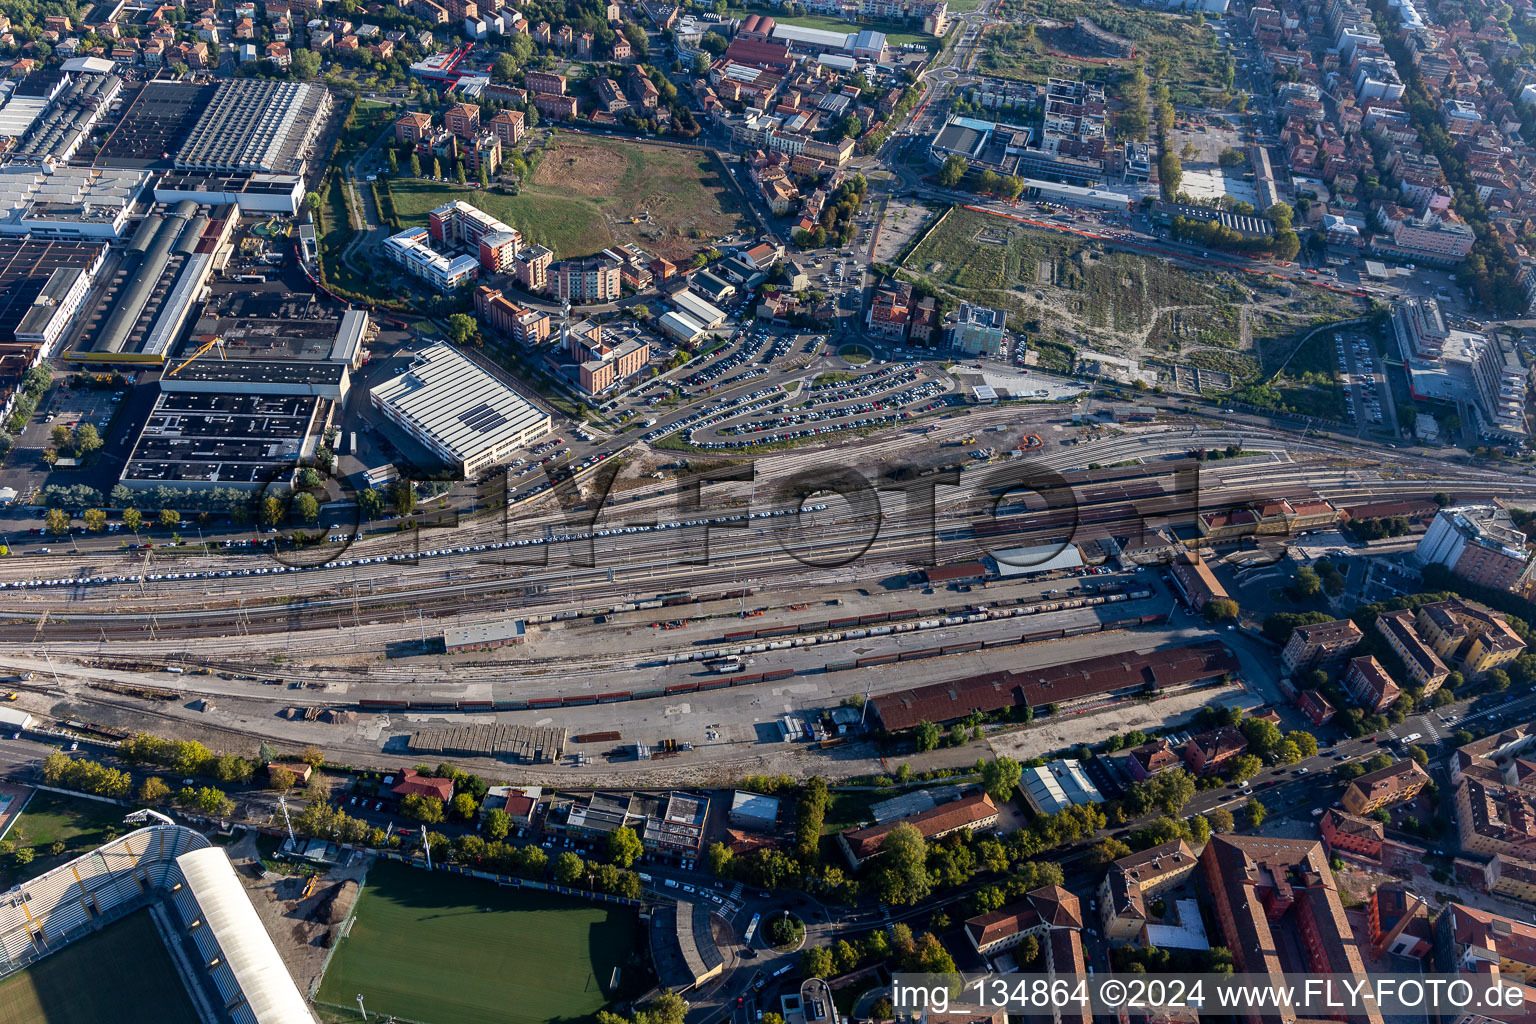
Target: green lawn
<point x="895" y="34"/>
<point x="121" y="974"/>
<point x="49" y="817"/>
<point x="570" y="227"/>
<point x="585" y="193"/>
<point x="444" y="949"/>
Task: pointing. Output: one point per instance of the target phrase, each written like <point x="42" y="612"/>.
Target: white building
<point x="681" y="326"/>
<point x="466" y="416"/>
<point x="1057" y="786"/>
<point x="410" y="249"/>
<point x="700" y="309"/>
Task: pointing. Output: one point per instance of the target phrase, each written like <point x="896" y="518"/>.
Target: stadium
<point x="228" y="967"/>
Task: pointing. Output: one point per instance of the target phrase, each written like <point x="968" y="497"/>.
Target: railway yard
<point x="737" y="602"/>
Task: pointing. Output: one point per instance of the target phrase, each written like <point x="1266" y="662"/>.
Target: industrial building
<point x="256" y="125"/>
<point x="253" y="191"/>
<point x="984" y="145"/>
<point x="153" y="286"/>
<point x="681" y="326"/>
<point x="1453" y="365"/>
<point x="65" y="125"/>
<point x="1058" y="785"/>
<point x="195" y="439"/>
<point x="483" y="636"/>
<point x="69" y="202"/>
<point x="266" y="340"/>
<point x="700" y="309"/>
<point x="458" y="410"/>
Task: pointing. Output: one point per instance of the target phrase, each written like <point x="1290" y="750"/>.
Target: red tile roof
<point x="423" y="785"/>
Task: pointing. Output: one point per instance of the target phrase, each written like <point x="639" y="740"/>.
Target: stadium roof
<point x="248" y="950"/>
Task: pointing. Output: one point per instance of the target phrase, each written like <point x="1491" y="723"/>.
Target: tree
<point x="624" y="846"/>
<point x="305" y="64"/>
<point x="402" y="494"/>
<point x="462" y="329"/>
<point x="1170" y="170"/>
<point x="1106" y="851"/>
<point x="903" y="877"/>
<point x="153" y="791"/>
<point x="1255" y="812"/>
<point x="1419" y="755"/>
<point x="169" y="518"/>
<point x="281" y="780"/>
<point x="423" y="808"/>
<point x="817" y="962"/>
<point x="313" y="201"/>
<point x="568" y="868"/>
<point x="85" y="440"/>
<point x="305" y="507"/>
<point x="1221" y="609"/>
<point x="95" y="519"/>
<point x="504" y="67"/>
<point x="132" y="520"/>
<point x="953" y="171"/>
<point x="1000" y="776"/>
<point x="1244" y="767"/>
<point x="309" y="477"/>
<point x="1199" y="828"/>
<point x="498" y="824"/>
<point x="700" y="65"/>
<point x="370" y="503"/>
<point x="720" y="859"/>
<point x="927" y="735"/>
<point x="1305" y="742"/>
<point x="415" y="166"/>
<point x="465" y="807"/>
<point x="57" y="522"/>
<point x="1220" y="819"/>
<point x="1013" y="187"/>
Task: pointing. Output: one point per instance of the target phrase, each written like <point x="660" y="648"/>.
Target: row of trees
<point x="923" y="953"/>
<point x="98" y="779"/>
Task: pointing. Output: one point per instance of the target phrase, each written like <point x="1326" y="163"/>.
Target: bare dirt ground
<point x="298" y="925"/>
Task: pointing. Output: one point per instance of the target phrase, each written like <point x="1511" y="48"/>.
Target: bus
<point x="751" y="929"/>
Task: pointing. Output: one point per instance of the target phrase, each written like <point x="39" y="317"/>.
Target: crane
<point x="209" y="341"/>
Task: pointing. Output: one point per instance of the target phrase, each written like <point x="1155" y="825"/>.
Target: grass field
<point x="52" y="817"/>
<point x="586" y="193"/>
<point x="121" y="974"/>
<point x="1175" y="50"/>
<point x="896" y="34"/>
<point x="444" y="949"/>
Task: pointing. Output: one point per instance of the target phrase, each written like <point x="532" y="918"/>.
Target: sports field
<point x="445" y="949"/>
<point x="121" y="974"/>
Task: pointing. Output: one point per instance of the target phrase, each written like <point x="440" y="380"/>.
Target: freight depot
<point x="135" y="578"/>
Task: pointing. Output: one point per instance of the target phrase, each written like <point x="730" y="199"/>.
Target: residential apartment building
<point x="1319" y="645"/>
<point x="1511" y="878"/>
<point x="1134" y="880"/>
<point x="1351" y="835"/>
<point x="410" y="249"/>
<point x="1423" y="665"/>
<point x="891" y="309"/>
<point x="1495" y="782"/>
<point x="1397" y="922"/>
<point x="524" y="326"/>
<point x="413" y="126"/>
<point x="1368" y="683"/>
<point x="1394" y="784"/>
<point x="1260" y="885"/>
<point x="507" y="125"/>
<point x="1479" y="543"/>
<point x="463" y="120"/>
<point x="1468" y="636"/>
<point x="593" y="279"/>
<point x="531" y="267"/>
<point x="1208" y="752"/>
<point x="1152" y="758"/>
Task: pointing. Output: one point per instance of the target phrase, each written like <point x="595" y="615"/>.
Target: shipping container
<point x="613" y="698"/>
<point x="877" y="659"/>
<point x="778" y="673"/>
<point x="682" y="688"/>
<point x="926" y="652"/>
<point x="842" y="666"/>
<point x="969" y="645"/>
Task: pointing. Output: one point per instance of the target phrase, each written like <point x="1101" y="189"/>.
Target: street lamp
<point x="360" y="1006"/>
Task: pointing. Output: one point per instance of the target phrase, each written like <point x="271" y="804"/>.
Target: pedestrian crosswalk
<point x="735" y="896"/>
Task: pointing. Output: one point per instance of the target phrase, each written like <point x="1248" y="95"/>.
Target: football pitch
<point x="445" y="949"/>
<point x="121" y="974"/>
